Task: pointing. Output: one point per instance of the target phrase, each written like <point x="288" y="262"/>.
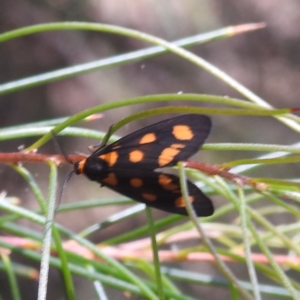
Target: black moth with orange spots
<point x="128" y="165"/>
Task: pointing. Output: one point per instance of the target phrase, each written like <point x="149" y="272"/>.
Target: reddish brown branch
<point x="19" y="157"/>
<point x="129" y="251"/>
<point x="224" y="173"/>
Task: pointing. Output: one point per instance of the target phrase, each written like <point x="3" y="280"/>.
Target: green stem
<point x="43" y="280"/>
<point x="160" y="290"/>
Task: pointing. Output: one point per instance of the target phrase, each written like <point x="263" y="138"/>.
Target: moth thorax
<point x="94" y="167"/>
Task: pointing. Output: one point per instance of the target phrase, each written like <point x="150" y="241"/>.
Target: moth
<point x="128" y="166"/>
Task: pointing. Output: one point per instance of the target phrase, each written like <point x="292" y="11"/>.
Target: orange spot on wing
<point x="182" y="132"/>
<point x="111" y="157"/>
<point x="166" y="182"/>
<point x="149" y="197"/>
<point x="164" y="179"/>
<point x="136" y="156"/>
<point x="179" y="202"/>
<point x="166" y="156"/>
<point x="148" y="138"/>
<point x="178" y="146"/>
<point x="136" y="182"/>
<point x="111" y="179"/>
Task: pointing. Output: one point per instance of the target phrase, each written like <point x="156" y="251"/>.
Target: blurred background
<point x="265" y="61"/>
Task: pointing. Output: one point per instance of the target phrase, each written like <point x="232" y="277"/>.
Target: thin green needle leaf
<point x="11" y="277"/>
<point x="223" y="268"/>
<point x="251" y="268"/>
<point x="158" y="279"/>
<point x="43" y="280"/>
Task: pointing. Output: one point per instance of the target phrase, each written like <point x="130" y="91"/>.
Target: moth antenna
<point x="67" y="179"/>
<point x="59" y="149"/>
